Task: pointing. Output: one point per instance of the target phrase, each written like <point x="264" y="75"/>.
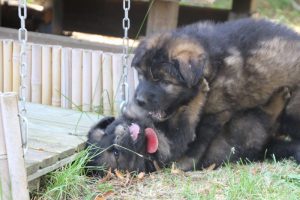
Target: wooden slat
<point x="1" y="67"/>
<point x="40" y="158"/>
<point x="36" y="74"/>
<point x="117" y="70"/>
<point x="107" y="83"/>
<point x="51" y="168"/>
<point x="28" y="73"/>
<point x="66" y="78"/>
<point x="7" y="65"/>
<point x="86" y="80"/>
<point x="55" y="135"/>
<point x="16" y="66"/>
<point x="60" y="116"/>
<point x="46" y="75"/>
<point x="76" y="78"/>
<point x="96" y="80"/>
<point x="56" y="75"/>
<point x="12" y="135"/>
<point x="4" y="172"/>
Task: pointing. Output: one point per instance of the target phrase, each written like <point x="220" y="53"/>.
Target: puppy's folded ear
<point x="191" y="59"/>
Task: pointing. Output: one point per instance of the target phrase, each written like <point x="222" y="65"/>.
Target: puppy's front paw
<point x="186" y="164"/>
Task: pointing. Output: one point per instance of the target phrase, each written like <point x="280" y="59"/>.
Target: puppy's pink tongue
<point x="152" y="140"/>
<point x="134" y="130"/>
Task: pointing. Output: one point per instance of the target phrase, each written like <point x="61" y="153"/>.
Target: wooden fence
<point x="81" y="79"/>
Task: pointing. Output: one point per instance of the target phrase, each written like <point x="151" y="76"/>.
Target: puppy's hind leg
<point x="290" y="122"/>
<point x="282" y="149"/>
<point x="276" y="104"/>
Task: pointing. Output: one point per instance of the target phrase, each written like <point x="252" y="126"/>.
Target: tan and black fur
<point x="244" y="63"/>
<point x="248" y="135"/>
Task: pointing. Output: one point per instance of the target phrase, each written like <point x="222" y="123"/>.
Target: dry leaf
<point x="107" y="177"/>
<point x="103" y="196"/>
<point x="211" y="167"/>
<point x="156" y="166"/>
<point x="119" y="174"/>
<point x="141" y="175"/>
<point x="127" y="178"/>
<point x="175" y="170"/>
<point x="254" y="171"/>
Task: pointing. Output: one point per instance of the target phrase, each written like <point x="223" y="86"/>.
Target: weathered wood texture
<point x="14" y="183"/>
<point x="55" y="136"/>
<point x="242" y="9"/>
<point x="105" y="17"/>
<point x="42" y="38"/>
<point x="67" y="77"/>
<point x="163" y="16"/>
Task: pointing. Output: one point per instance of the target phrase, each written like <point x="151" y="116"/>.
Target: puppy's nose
<point x="141" y="101"/>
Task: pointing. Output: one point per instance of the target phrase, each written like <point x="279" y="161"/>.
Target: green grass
<point x="69" y="182"/>
<point x="265" y="181"/>
<point x="279" y="180"/>
<point x="279" y="10"/>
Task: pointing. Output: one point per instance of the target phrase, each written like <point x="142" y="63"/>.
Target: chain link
<point x="126" y="27"/>
<point x="22" y="36"/>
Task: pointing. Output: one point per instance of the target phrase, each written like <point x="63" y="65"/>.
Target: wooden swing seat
<point x="55" y="136"/>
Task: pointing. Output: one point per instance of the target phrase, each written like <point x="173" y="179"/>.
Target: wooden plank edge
<point x="46" y="170"/>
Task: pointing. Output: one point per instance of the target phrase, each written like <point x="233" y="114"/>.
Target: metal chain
<point x="126" y="27"/>
<point x="22" y="36"/>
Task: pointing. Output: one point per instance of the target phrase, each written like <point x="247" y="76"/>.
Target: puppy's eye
<point x="116" y="153"/>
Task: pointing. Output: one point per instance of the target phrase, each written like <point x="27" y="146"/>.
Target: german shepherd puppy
<point x="115" y="136"/>
<point x="246" y="135"/>
<point x="244" y="63"/>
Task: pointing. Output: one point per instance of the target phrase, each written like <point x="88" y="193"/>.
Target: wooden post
<point x="57" y="17"/>
<point x="242" y="8"/>
<point x="163" y="16"/>
<point x="4" y="172"/>
<point x="14" y="185"/>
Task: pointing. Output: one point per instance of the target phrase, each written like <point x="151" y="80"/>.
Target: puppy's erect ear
<point x="191" y="58"/>
<point x="96" y="133"/>
<point x="104" y="122"/>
